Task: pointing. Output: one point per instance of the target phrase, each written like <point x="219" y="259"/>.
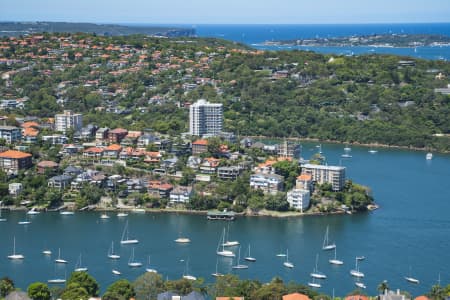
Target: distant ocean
<point x="255" y="35"/>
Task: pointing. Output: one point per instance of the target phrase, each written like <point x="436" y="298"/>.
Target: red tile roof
<point x="357" y="297"/>
<point x="94" y="149"/>
<point x="47" y="164"/>
<point x="200" y="142"/>
<point x="305" y="177"/>
<point x="114" y="147"/>
<point x="296" y="296"/>
<point x="14" y="154"/>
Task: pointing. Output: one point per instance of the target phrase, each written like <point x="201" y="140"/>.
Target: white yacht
<point x="239" y="265"/>
<point x="229" y="243"/>
<point x="326" y="244"/>
<point x="148" y="268"/>
<point x="223" y="252"/>
<point x="122" y="214"/>
<point x="360" y="285"/>
<point x="125" y="238"/>
<point x="335" y="261"/>
<point x="66" y="213"/>
<point x="132" y="263"/>
<point x="79" y="267"/>
<point x="33" y="211"/>
<point x="104" y="216"/>
<point x="287" y="263"/>
<point x="355" y="272"/>
<point x="116" y="272"/>
<point x="315" y="273"/>
<point x="15" y="256"/>
<point x="111" y="253"/>
<point x="429" y="156"/>
<point x="249" y="257"/>
<point x="217" y="274"/>
<point x="47" y="252"/>
<point x="59" y="260"/>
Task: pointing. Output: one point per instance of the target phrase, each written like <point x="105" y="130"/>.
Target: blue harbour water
<point x="411" y="230"/>
<point x="256" y="35"/>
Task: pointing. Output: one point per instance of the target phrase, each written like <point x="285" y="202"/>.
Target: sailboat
<point x="335" y="261"/>
<point x="59" y="260"/>
<point x="25" y="222"/>
<point x="132" y="263"/>
<point x="186" y="274"/>
<point x="223" y="252"/>
<point x="355" y="272"/>
<point x="249" y="257"/>
<point x="217" y="274"/>
<point x="287" y="263"/>
<point x="15" y="256"/>
<point x="57" y="280"/>
<point x="230" y="243"/>
<point x="122" y="214"/>
<point x="315" y="273"/>
<point x="429" y="156"/>
<point x="326" y="243"/>
<point x="78" y="266"/>
<point x="125" y="238"/>
<point x="111" y="254"/>
<point x="360" y="285"/>
<point x="411" y="279"/>
<point x="314" y="284"/>
<point x="148" y="269"/>
<point x="238" y="265"/>
<point x="104" y="216"/>
<point x="46" y="252"/>
<point x="373" y="151"/>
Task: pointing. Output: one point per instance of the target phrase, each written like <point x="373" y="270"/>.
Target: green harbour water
<point x="410" y="231"/>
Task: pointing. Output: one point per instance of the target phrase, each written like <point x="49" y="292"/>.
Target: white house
<point x="298" y="199"/>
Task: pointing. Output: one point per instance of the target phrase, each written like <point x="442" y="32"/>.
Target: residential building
<point x="56" y="139"/>
<point x="268" y="183"/>
<point x="288" y="149"/>
<point x="115" y="136"/>
<point x="46" y="166"/>
<point x="304" y="181"/>
<point x="112" y="151"/>
<point x="67" y="121"/>
<point x="226" y="173"/>
<point x="13" y="161"/>
<point x="298" y="199"/>
<point x="391" y="295"/>
<point x="158" y="189"/>
<point x="205" y="118"/>
<point x="181" y="194"/>
<point x="10" y="134"/>
<point x="93" y="152"/>
<point x="102" y="134"/>
<point x="209" y="165"/>
<point x="335" y="175"/>
<point x="15" y="188"/>
<point x="199" y="146"/>
<point x="59" y="182"/>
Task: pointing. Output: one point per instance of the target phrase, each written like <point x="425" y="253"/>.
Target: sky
<point x="228" y="11"/>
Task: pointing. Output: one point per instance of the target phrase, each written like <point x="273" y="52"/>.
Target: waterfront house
<point x="15" y="188"/>
<point x="59" y="182"/>
<point x="46" y="166"/>
<point x="357" y="297"/>
<point x="13" y="161"/>
<point x="102" y="134"/>
<point x="194" y="162"/>
<point x="73" y="171"/>
<point x="159" y="189"/>
<point x="30" y="135"/>
<point x="181" y="194"/>
<point x="391" y="295"/>
<point x="56" y="139"/>
<point x="268" y="183"/>
<point x="298" y="199"/>
<point x="152" y="157"/>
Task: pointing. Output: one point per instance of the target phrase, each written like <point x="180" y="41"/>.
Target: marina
<point x="399" y="196"/>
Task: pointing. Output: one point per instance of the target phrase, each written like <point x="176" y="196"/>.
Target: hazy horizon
<point x="232" y="12"/>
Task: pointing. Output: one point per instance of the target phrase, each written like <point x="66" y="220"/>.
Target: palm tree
<point x="383" y="287"/>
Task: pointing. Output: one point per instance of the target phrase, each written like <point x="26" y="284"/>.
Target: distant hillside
<point x="24" y="28"/>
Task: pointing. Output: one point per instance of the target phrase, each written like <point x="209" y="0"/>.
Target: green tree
<point x="119" y="290"/>
<point x="437" y="292"/>
<point x="39" y="291"/>
<point x="86" y="281"/>
<point x="6" y="286"/>
<point x="383" y="286"/>
<point x="148" y="286"/>
<point x="75" y="291"/>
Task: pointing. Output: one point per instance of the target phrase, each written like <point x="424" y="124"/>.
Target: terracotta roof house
<point x="45" y="165"/>
<point x="12" y="161"/>
<point x="29" y="135"/>
<point x="357" y="297"/>
<point x="199" y="146"/>
<point x="422" y="297"/>
<point x="228" y="298"/>
<point x="93" y="152"/>
<point x="296" y="296"/>
<point x="112" y="151"/>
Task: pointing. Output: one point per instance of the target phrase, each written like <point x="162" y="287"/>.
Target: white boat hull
<point x="114" y="256"/>
<point x="56" y="281"/>
<point x="412" y="280"/>
<point x="336" y="262"/>
<point x="318" y="276"/>
<point x="81" y="269"/>
<point x="231" y="244"/>
<point x="356" y="273"/>
<point x="16" y="256"/>
<point x="226" y="253"/>
<point x="251" y="259"/>
<point x="288" y="265"/>
<point x="189" y="277"/>
<point x="182" y="240"/>
<point x="329" y="247"/>
<point x="239" y="267"/>
<point x="151" y="270"/>
<point x="314" y="285"/>
<point x="135" y="264"/>
<point x="60" y="261"/>
<point x="127" y="242"/>
<point x="360" y="285"/>
<point x="115" y="272"/>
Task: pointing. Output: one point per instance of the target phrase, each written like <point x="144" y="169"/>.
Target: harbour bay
<point x="410" y="230"/>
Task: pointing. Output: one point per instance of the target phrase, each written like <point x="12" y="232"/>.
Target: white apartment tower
<point x="205" y="118"/>
<point x="68" y="120"/>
